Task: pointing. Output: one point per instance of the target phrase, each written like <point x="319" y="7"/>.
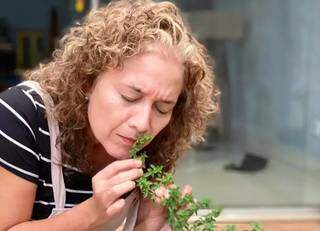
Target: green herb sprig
<point x="179" y="208"/>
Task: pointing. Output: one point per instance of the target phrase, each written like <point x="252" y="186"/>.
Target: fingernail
<point x="139" y="163"/>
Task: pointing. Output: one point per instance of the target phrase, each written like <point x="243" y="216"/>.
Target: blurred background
<point x="263" y="149"/>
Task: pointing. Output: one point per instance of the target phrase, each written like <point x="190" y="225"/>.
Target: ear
<point x="89" y="92"/>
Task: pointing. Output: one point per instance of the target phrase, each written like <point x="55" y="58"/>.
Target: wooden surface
<point x="275" y="226"/>
<point x="280" y="226"/>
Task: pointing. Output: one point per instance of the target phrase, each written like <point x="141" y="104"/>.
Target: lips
<point x="127" y="140"/>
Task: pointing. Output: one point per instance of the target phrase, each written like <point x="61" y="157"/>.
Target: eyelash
<point x="162" y="113"/>
<point x="128" y="99"/>
<point x="132" y="100"/>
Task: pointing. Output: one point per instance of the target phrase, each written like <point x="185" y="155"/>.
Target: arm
<point x="75" y="219"/>
<point x="18" y="174"/>
<point x="108" y="185"/>
<point x="16" y="210"/>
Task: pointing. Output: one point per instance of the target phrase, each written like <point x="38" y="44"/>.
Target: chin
<point x="118" y="154"/>
<point x="121" y="156"/>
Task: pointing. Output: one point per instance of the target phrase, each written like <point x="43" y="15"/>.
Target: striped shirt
<point x="25" y="150"/>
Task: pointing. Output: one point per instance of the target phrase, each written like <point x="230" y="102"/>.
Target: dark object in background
<point x="250" y="163"/>
<point x="7" y="53"/>
<point x="8" y="77"/>
<point x="7" y="58"/>
<point x="53" y="29"/>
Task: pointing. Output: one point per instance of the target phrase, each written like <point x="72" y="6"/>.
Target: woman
<point x="130" y="68"/>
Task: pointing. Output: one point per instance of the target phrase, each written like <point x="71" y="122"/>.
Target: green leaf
<point x="179" y="208"/>
<point x="256" y="226"/>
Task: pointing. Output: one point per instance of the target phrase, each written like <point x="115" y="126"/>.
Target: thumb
<point x="166" y="227"/>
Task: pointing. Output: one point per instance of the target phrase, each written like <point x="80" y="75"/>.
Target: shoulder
<point x="22" y="105"/>
<point x="21" y="116"/>
<point x="22" y="98"/>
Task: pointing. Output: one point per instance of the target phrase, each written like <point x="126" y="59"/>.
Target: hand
<point x="108" y="185"/>
<point x="152" y="215"/>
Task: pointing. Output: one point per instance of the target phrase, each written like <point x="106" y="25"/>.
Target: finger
<point x="161" y="194"/>
<point x="115" y="208"/>
<point x="187" y="190"/>
<point x="172" y="185"/>
<point x="121" y="177"/>
<point x="105" y="184"/>
<point x="115" y="192"/>
<point x="166" y="227"/>
<point x="118" y="166"/>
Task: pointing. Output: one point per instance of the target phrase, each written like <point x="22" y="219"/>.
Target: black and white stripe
<point x="25" y="150"/>
<point x="7" y="106"/>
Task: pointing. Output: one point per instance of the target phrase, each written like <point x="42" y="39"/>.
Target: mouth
<point x="127" y="141"/>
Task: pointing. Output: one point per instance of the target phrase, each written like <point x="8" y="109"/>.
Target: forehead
<point x="152" y="71"/>
<point x="166" y="51"/>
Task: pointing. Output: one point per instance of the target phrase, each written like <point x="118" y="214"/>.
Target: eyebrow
<point x="138" y="90"/>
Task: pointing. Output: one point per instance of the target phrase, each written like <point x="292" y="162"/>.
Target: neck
<point x="100" y="158"/>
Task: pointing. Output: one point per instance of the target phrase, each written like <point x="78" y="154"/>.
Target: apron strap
<point x="58" y="186"/>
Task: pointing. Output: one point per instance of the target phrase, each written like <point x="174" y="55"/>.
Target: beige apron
<point x="125" y="221"/>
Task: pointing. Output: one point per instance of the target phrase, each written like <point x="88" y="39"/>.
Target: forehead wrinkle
<point x="140" y="91"/>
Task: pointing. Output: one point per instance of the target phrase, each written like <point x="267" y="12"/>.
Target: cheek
<point x="104" y="116"/>
<point x="93" y="119"/>
<point x="161" y="125"/>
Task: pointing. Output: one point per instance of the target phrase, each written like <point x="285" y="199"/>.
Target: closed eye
<point x="163" y="112"/>
<point x="128" y="99"/>
<point x="131" y="100"/>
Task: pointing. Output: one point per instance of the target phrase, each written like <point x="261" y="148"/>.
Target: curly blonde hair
<point x="106" y="38"/>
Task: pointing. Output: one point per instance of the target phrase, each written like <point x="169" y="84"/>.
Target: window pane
<point x="263" y="149"/>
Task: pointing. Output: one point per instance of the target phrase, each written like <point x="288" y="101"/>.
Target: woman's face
<point x="137" y="99"/>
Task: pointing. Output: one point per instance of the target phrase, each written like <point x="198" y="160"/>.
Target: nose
<point x="141" y="119"/>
